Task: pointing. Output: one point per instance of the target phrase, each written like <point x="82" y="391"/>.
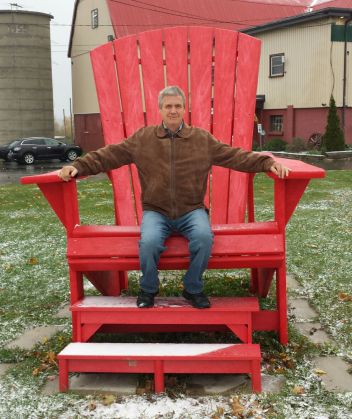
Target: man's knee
<point x="151" y="242"/>
<point x="202" y="239"/>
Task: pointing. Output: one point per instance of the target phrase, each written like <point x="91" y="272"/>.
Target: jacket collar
<point x="185" y="132"/>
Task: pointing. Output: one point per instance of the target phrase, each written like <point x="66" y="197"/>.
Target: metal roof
<point x="133" y="16"/>
<point x="306" y="17"/>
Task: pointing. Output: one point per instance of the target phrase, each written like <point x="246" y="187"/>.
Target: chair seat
<point x="134" y="231"/>
<point x="124" y="244"/>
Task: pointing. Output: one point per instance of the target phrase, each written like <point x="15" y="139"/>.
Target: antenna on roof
<point x="15" y="5"/>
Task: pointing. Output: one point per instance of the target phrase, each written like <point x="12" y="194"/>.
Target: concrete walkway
<point x="333" y="371"/>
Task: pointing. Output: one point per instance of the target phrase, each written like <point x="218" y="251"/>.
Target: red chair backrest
<point x="216" y="68"/>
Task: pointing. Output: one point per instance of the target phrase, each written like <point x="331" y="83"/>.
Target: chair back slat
<point x="176" y="58"/>
<point x="216" y="68"/>
<point x="104" y="71"/>
<point x="110" y="110"/>
<point x="201" y="53"/>
<point x="151" y="49"/>
<point x="126" y="52"/>
<point x="245" y="98"/>
<point x="224" y="86"/>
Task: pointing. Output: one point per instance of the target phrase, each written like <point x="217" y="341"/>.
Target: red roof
<point x="133" y="16"/>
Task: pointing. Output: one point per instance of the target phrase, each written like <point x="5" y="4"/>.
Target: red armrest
<point x="299" y="169"/>
<point x="51" y="177"/>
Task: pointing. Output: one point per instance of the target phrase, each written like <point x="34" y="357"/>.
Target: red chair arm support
<point x="289" y="191"/>
<point x="62" y="196"/>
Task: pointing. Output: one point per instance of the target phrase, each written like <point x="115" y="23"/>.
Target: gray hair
<point x="171" y="91"/>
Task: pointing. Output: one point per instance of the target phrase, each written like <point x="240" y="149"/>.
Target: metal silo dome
<point x="26" y="92"/>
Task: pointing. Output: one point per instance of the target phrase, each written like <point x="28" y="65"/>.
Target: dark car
<point x="5" y="149"/>
<point x="27" y="150"/>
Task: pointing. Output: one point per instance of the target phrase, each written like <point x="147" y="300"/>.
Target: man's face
<point x="172" y="111"/>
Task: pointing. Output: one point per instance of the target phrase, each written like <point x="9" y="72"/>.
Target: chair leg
<point x="281" y="302"/>
<point x="123" y="278"/>
<point x="159" y="385"/>
<point x="253" y="287"/>
<point x="76" y="286"/>
<point x="77" y="293"/>
<point x="63" y="375"/>
<point x="256" y="377"/>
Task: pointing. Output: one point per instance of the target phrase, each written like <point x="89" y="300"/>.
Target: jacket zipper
<point x="173" y="179"/>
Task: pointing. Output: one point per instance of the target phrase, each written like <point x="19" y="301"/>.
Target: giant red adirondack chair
<point x="218" y="70"/>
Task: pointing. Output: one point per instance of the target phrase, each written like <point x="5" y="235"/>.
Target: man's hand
<point x="67" y="172"/>
<point x="279" y="170"/>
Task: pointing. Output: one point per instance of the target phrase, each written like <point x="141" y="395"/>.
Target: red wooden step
<point x="160" y="358"/>
<point x="90" y="313"/>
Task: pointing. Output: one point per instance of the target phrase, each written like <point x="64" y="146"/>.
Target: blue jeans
<point x="156" y="228"/>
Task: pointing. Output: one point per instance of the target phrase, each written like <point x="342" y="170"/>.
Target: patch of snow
<point x="141" y="349"/>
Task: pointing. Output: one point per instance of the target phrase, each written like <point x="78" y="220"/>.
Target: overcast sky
<point x="62" y="11"/>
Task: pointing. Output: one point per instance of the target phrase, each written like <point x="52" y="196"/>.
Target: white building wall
<point x="313" y="67"/>
<point x="85" y="39"/>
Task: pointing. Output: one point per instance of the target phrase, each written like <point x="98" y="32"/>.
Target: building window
<point x="276" y="123"/>
<point x="277" y="65"/>
<point x="94" y="18"/>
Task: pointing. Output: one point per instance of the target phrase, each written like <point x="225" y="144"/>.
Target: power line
<point x="178" y="14"/>
<point x="233" y="1"/>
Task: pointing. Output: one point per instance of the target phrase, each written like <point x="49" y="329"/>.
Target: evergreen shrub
<point x="333" y="139"/>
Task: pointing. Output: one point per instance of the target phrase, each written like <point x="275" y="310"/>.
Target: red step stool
<point x="169" y="314"/>
<point x="160" y="358"/>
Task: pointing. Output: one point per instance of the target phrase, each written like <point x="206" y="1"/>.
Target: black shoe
<point x="199" y="300"/>
<point x="145" y="299"/>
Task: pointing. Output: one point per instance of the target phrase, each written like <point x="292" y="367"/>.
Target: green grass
<point x="34" y="285"/>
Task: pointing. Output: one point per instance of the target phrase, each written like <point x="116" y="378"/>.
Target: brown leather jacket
<point x="173" y="172"/>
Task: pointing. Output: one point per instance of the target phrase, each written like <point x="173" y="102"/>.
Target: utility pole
<point x="63" y="111"/>
<point x="16" y="6"/>
<point x="72" y="135"/>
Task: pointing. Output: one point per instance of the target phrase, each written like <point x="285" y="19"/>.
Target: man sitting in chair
<point x="173" y="162"/>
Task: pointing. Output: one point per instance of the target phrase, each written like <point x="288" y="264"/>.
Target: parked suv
<point x="27" y="150"/>
<point x="5" y="149"/>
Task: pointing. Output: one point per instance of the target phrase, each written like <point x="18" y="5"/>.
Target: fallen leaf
<point x="298" y="390"/>
<point x="7" y="267"/>
<point x="32" y="261"/>
<point x="344" y="296"/>
<point x="236" y="406"/>
<point x="140" y="391"/>
<point x="219" y="413"/>
<point x="108" y="399"/>
<point x="319" y="371"/>
<point x="92" y="406"/>
<point x="35" y="372"/>
<point x="51" y="356"/>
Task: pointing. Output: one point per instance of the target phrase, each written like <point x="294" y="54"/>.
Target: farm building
<point x="308" y="58"/>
